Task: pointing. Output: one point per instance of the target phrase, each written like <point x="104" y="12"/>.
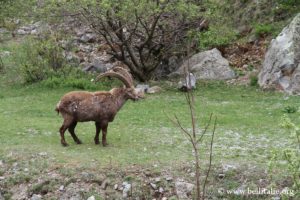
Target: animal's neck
<point x="119" y="98"/>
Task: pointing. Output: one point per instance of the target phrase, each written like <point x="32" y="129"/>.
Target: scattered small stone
<point x="157" y="179"/>
<point x="116" y="186"/>
<point x="164" y="198"/>
<point x="145" y="88"/>
<point x="36" y="197"/>
<point x="26" y="169"/>
<point x="154" y="89"/>
<point x="104" y="184"/>
<point x="62" y="188"/>
<point x="2" y="178"/>
<point x="153" y="186"/>
<point x="183" y="189"/>
<point x="227" y="167"/>
<point x="221" y="176"/>
<point x="169" y="178"/>
<point x="276" y="198"/>
<point x="161" y="190"/>
<point x="15" y="165"/>
<point x="91" y="198"/>
<point x="126" y="190"/>
<point x="43" y="154"/>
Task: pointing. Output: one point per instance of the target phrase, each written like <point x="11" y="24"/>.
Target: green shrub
<point x="292" y="155"/>
<point x="253" y="80"/>
<point x="289" y="2"/>
<point x="262" y="30"/>
<point x="216" y="37"/>
<point x="41" y="59"/>
<point x="290" y="109"/>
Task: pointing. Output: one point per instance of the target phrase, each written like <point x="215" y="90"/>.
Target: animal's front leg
<point x="98" y="128"/>
<point x="104" y="132"/>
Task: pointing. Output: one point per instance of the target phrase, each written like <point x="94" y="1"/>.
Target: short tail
<point x="57" y="108"/>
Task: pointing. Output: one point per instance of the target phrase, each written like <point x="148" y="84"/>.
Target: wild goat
<point x="100" y="107"/>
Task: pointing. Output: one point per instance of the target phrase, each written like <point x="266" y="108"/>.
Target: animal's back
<point x="85" y="106"/>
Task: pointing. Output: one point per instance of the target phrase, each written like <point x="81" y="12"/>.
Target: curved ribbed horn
<point x="116" y="75"/>
<point x="125" y="73"/>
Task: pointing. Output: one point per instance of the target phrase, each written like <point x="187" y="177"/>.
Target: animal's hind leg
<point x="104" y="132"/>
<point x="62" y="130"/>
<point x="71" y="129"/>
<point x="98" y="128"/>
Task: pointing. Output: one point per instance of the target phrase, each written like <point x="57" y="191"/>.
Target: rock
<point x="61" y="188"/>
<point x="188" y="83"/>
<point x="3" y="30"/>
<point x="142" y="87"/>
<point x="183" y="189"/>
<point x="206" y="65"/>
<point x="281" y="67"/>
<point x="43" y="154"/>
<point x="116" y="187"/>
<point x="154" y="89"/>
<point x="126" y="189"/>
<point x="36" y="197"/>
<point x="161" y="190"/>
<point x="1" y="197"/>
<point x="164" y="198"/>
<point x="21" y="32"/>
<point x="157" y="179"/>
<point x="104" y="184"/>
<point x="88" y="38"/>
<point x="165" y="68"/>
<point x="221" y="176"/>
<point x="97" y="66"/>
<point x="153" y="186"/>
<point x="2" y="178"/>
<point x="227" y="167"/>
<point x="169" y="178"/>
<point x="1" y="163"/>
<point x="5" y="53"/>
<point x="91" y="198"/>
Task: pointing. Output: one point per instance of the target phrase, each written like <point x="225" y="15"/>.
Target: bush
<point x="290" y="109"/>
<point x="253" y="80"/>
<point x="42" y="59"/>
<point x="216" y="37"/>
<point x="262" y="30"/>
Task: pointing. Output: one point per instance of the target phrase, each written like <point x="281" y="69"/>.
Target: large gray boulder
<point x="207" y="65"/>
<point x="281" y="67"/>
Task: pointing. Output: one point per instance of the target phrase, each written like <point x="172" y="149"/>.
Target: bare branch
<point x="210" y="157"/>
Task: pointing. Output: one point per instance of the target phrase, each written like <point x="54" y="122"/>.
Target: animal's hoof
<point x="97" y="142"/>
<point x="104" y="144"/>
<point x="78" y="142"/>
<point x="64" y="144"/>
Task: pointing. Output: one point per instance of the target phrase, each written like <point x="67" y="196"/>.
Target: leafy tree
<point x="141" y="33"/>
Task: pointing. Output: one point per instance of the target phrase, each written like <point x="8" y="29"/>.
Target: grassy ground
<point x="142" y="135"/>
<point x="143" y="143"/>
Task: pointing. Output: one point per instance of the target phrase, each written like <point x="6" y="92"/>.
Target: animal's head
<point x="124" y="76"/>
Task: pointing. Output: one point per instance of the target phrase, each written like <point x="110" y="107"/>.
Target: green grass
<point x="142" y="135"/>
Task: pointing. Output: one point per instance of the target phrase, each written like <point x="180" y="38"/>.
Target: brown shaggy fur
<point x="100" y="107"/>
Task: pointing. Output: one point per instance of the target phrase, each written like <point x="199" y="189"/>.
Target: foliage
<point x="253" y="80"/>
<point x="216" y="37"/>
<point x="42" y="59"/>
<point x="290" y="109"/>
<point x="292" y="155"/>
<point x="11" y="11"/>
<point x="262" y="30"/>
<point x="140" y="33"/>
